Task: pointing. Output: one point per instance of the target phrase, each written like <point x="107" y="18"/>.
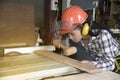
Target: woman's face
<point x="75" y="35"/>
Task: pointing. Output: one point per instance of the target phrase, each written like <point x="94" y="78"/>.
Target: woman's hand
<point x="91" y="64"/>
<point x="57" y="42"/>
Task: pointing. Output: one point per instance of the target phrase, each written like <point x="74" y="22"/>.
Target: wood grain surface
<point x="17" y="25"/>
<point x="31" y="65"/>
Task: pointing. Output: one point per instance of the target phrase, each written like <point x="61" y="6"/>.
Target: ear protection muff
<point x="85" y="29"/>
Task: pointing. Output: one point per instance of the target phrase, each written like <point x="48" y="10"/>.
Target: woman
<point x="102" y="48"/>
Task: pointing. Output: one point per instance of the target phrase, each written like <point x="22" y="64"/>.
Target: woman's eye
<point x="72" y="34"/>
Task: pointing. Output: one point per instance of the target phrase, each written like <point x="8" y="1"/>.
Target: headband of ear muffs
<point x="86" y="26"/>
<point x="96" y="29"/>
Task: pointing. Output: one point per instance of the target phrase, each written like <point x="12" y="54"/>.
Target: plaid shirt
<point x="104" y="49"/>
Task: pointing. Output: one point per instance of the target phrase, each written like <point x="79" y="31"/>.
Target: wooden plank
<point x="105" y="75"/>
<point x="66" y="60"/>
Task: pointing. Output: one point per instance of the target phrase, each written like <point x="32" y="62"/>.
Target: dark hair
<point x="96" y="29"/>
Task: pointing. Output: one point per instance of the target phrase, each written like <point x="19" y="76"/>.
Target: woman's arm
<point x="108" y="50"/>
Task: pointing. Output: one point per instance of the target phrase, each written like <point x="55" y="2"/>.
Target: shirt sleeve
<point x="105" y="65"/>
<point x="106" y="60"/>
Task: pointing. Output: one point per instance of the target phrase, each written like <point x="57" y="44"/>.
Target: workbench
<point x="35" y="67"/>
<point x="31" y="66"/>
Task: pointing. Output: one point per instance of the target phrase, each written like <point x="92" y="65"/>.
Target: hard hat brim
<point x="64" y="31"/>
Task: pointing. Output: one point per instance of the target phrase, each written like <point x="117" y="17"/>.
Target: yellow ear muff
<point x="85" y="29"/>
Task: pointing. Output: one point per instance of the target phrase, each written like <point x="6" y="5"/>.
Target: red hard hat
<point x="71" y="16"/>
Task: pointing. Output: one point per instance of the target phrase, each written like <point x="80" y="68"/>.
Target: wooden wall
<point x="17" y="24"/>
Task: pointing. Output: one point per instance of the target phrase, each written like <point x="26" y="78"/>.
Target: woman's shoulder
<point x="104" y="33"/>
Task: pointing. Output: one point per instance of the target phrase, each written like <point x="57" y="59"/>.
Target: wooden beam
<point x="66" y="60"/>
